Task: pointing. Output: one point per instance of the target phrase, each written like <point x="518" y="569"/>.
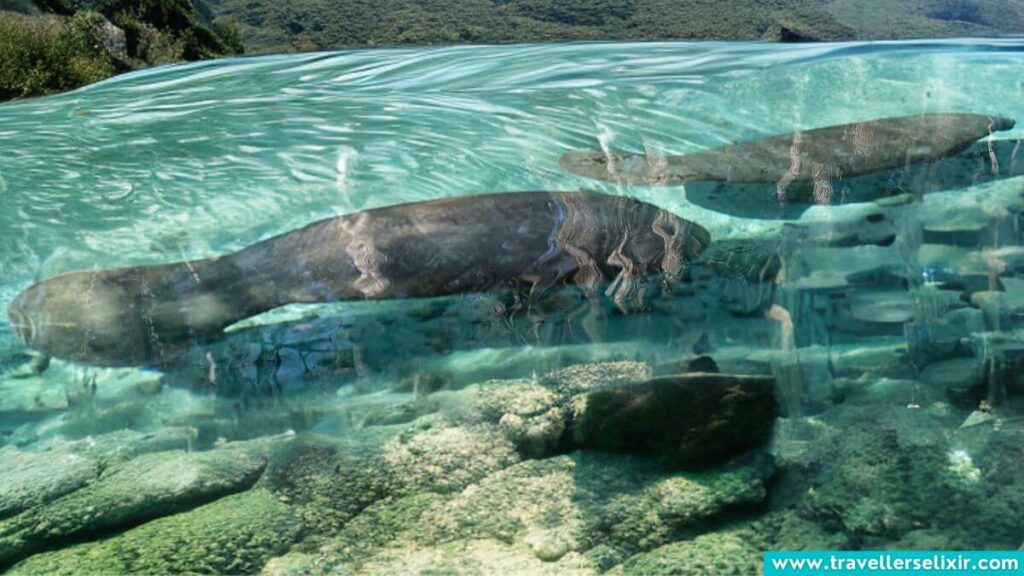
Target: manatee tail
<point x="628" y="168"/>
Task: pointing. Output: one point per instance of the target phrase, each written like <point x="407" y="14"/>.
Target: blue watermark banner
<point x="892" y="562"/>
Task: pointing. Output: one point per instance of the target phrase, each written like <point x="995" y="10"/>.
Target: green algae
<point x="146" y="487"/>
<point x="583" y="510"/>
<point x="234" y="535"/>
<point x="720" y="553"/>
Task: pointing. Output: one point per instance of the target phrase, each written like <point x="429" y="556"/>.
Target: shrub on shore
<point x="44" y="54"/>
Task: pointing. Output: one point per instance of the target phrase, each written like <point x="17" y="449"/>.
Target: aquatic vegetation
<point x="46" y="54"/>
<point x="56" y="45"/>
<point x="148" y="486"/>
<point x="237" y="533"/>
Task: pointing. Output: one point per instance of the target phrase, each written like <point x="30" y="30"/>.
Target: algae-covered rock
<point x="557" y="510"/>
<point x="880" y="473"/>
<point x="447" y="459"/>
<point x="28" y="479"/>
<point x="483" y="556"/>
<point x="719" y="553"/>
<point x="55" y="467"/>
<point x="291" y="564"/>
<point x="788" y="530"/>
<point x="328" y="481"/>
<point x="522" y="398"/>
<point x="234" y="535"/>
<point x="877" y="473"/>
<point x="146" y="487"/>
<point x="690" y="420"/>
<point x="584" y="377"/>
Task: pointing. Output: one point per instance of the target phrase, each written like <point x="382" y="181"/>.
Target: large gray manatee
<point x="809" y="156"/>
<point x="513" y="241"/>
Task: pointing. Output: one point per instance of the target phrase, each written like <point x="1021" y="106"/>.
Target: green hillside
<point x="275" y="25"/>
<point x="53" y="45"/>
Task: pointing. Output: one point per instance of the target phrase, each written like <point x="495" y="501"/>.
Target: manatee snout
<point x="20" y="321"/>
<point x="74" y="315"/>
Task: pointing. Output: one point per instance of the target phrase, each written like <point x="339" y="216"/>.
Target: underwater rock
<point x="957" y="325"/>
<point x="422" y="383"/>
<point x="967" y="228"/>
<point x="876" y="486"/>
<point x="328" y="482"/>
<point x="691" y="420"/>
<point x="881" y="472"/>
<point x="291" y="564"/>
<point x="532" y="241"/>
<point x="146" y="487"/>
<point x="34" y="365"/>
<point x="960" y="378"/>
<point x="447" y="459"/>
<point x="550" y="512"/>
<point x="835" y="270"/>
<point x="883" y="307"/>
<point x="1004" y="310"/>
<point x="1004" y="365"/>
<point x="480" y="556"/>
<point x="28" y="479"/>
<point x="533" y="417"/>
<point x="236" y="534"/>
<point x="539" y="435"/>
<point x="722" y="553"/>
<point x="390" y="413"/>
<point x="585" y="377"/>
<point x="867" y="391"/>
<point x="787" y="530"/>
<point x="54" y="467"/>
<point x="704" y="364"/>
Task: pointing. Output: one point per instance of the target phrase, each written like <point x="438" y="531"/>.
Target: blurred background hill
<point x="53" y="45"/>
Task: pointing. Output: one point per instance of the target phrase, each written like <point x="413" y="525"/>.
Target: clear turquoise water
<point x="190" y="161"/>
<point x="195" y="160"/>
<point x="198" y="159"/>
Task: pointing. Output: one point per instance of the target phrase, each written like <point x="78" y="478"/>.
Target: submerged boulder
<point x="723" y="553"/>
<point x="690" y="420"/>
<point x="234" y="535"/>
<point x="581" y="513"/>
<point x="31" y="478"/>
<point x="146" y="487"/>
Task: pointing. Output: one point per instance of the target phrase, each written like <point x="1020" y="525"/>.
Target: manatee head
<point x="89" y="316"/>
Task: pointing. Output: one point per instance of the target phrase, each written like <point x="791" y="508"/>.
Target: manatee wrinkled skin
<point x="511" y="241"/>
<point x="815" y="156"/>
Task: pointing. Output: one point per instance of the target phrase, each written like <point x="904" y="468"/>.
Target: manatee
<point x="803" y="164"/>
<point x="980" y="163"/>
<point x="522" y="241"/>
